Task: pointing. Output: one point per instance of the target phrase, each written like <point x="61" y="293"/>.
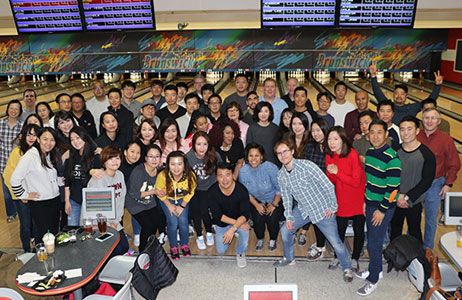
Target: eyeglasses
<point x="284" y="152"/>
<point x="153" y="156"/>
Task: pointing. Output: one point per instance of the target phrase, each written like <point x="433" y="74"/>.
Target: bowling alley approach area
<point x="246" y="149"/>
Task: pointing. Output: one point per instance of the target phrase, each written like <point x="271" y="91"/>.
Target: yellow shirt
<point x="180" y="188"/>
<point x="11" y="164"/>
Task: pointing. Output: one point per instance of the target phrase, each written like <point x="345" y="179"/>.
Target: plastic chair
<point x="125" y="293"/>
<point x="449" y="278"/>
<point x="25" y="257"/>
<point x="116" y="269"/>
<point x="6" y="292"/>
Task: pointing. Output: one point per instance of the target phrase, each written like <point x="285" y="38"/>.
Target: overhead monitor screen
<point x="297" y="13"/>
<point x="377" y="13"/>
<point x="118" y="14"/>
<point x="46" y="16"/>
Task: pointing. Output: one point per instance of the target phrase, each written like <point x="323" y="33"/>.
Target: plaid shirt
<point x="7" y="135"/>
<point x="310" y="187"/>
<point x="314" y="153"/>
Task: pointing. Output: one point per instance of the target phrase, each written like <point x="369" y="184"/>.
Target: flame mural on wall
<point x="221" y="50"/>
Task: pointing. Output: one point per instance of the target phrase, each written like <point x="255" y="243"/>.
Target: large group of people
<point x="225" y="166"/>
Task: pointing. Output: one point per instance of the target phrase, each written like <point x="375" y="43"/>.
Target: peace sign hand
<point x="438" y="77"/>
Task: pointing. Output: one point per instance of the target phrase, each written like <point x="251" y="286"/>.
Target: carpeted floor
<point x="219" y="278"/>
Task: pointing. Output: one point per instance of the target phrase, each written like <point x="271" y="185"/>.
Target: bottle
<point x="459" y="235"/>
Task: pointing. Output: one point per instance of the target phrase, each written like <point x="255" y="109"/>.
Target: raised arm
<point x="379" y="95"/>
<point x="437" y="87"/>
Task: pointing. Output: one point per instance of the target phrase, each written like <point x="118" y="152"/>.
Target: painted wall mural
<point x="220" y="50"/>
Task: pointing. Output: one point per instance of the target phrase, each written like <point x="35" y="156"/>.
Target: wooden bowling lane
<point x="312" y="93"/>
<point x="421" y="94"/>
<point x="43" y="90"/>
<point x="228" y="90"/>
<point x="444" y="88"/>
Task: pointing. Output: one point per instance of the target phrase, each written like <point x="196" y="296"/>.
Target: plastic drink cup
<point x="49" y="242"/>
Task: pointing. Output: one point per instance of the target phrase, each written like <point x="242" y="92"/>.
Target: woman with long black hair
<point x="26" y="139"/>
<point x="141" y="199"/>
<point x="203" y="160"/>
<point x="36" y="179"/>
<point x="77" y="171"/>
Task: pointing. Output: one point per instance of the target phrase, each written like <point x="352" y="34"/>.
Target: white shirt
<point x="339" y="111"/>
<point x="96" y="108"/>
<point x="183" y="124"/>
<point x="30" y="176"/>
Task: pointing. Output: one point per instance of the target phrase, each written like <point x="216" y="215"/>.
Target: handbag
<point x="153" y="270"/>
<point x="435" y="276"/>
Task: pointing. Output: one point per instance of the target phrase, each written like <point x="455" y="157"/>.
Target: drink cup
<point x="102" y="224"/>
<point x="49" y="242"/>
<point x="88" y="227"/>
<point x="41" y="252"/>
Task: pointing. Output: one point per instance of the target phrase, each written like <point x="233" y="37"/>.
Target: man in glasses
<point x="308" y="196"/>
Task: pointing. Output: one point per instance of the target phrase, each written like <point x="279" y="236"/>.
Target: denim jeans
<point x="136" y="226"/>
<point x="174" y="223"/>
<point x="328" y="227"/>
<point x="74" y="218"/>
<point x="9" y="204"/>
<point x="432" y="204"/>
<point x="25" y="224"/>
<point x="375" y="238"/>
<point x="243" y="240"/>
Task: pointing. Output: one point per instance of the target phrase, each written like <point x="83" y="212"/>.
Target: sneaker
<point x="355" y="265"/>
<point x="259" y="245"/>
<point x="272" y="245"/>
<point x="174" y="254"/>
<point x="210" y="240"/>
<point x="200" y="243"/>
<point x="241" y="261"/>
<point x="191" y="231"/>
<point x="365" y="274"/>
<point x="185" y="250"/>
<point x="348" y="275"/>
<point x="441" y="220"/>
<point x="283" y="262"/>
<point x="315" y="253"/>
<point x="10" y="219"/>
<point x="367" y="289"/>
<point x="334" y="264"/>
<point x="301" y="240"/>
<point x="136" y="240"/>
<point x="161" y="238"/>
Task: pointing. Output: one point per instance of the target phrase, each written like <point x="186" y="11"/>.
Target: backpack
<point x="153" y="270"/>
<point x="402" y="251"/>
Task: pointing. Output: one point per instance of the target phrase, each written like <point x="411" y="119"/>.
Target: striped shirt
<point x="383" y="171"/>
<point x="310" y="187"/>
<point x="7" y="135"/>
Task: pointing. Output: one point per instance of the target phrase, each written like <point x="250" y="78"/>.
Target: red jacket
<point x="350" y="183"/>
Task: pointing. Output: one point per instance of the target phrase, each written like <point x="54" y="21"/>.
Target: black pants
<point x="358" y="229"/>
<point x="149" y="222"/>
<point x="162" y="220"/>
<point x="45" y="216"/>
<point x="26" y="227"/>
<point x="271" y="222"/>
<point x="320" y="238"/>
<point x="413" y="217"/>
<point x="199" y="212"/>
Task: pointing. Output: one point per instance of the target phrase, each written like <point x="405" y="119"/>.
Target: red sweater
<point x="447" y="158"/>
<point x="350" y="183"/>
